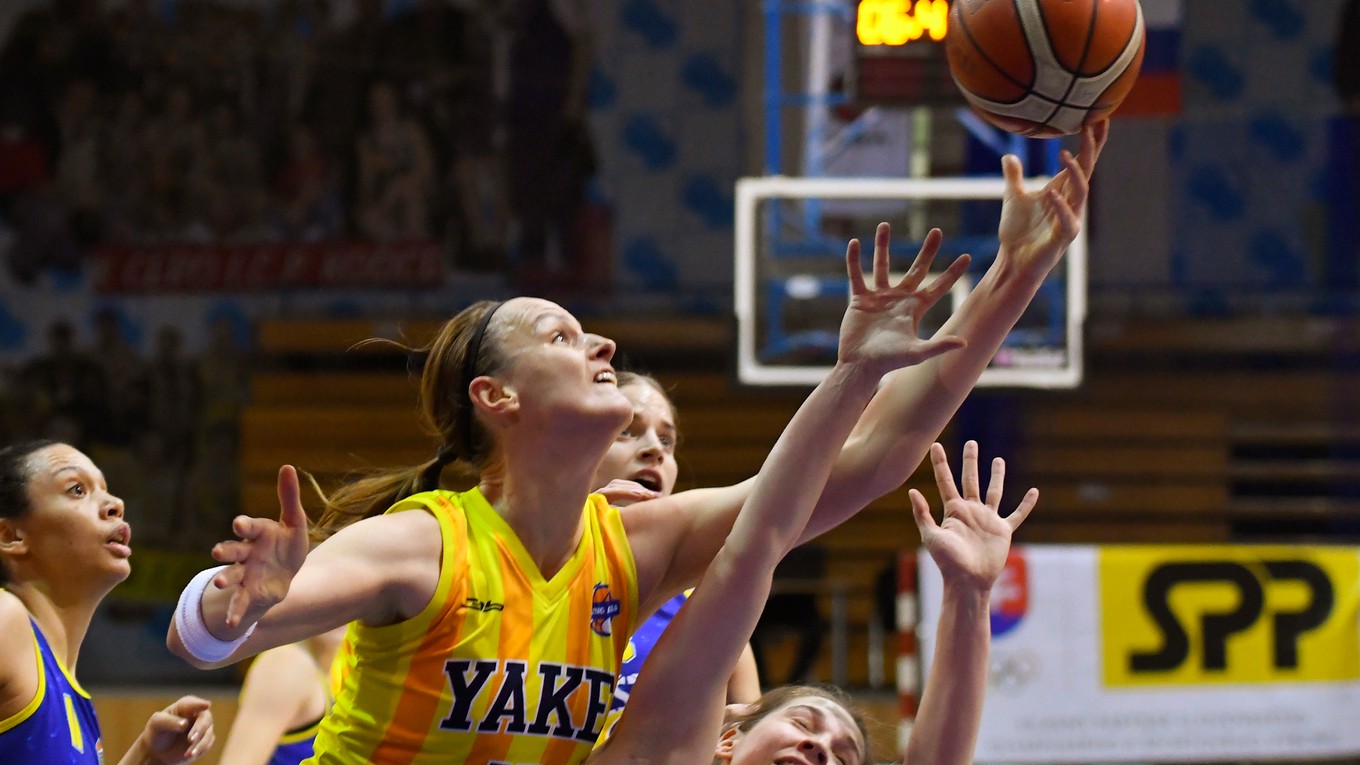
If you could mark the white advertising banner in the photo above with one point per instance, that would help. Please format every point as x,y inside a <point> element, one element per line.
<point>1168,653</point>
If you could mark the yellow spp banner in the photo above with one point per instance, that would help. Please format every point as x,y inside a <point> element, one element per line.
<point>1197,615</point>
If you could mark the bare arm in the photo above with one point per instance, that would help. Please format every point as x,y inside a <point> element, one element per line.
<point>675,710</point>
<point>276,693</point>
<point>743,687</point>
<point>914,404</point>
<point>378,571</point>
<point>19,670</point>
<point>970,547</point>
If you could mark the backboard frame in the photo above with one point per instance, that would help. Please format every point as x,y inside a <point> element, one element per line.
<point>751,191</point>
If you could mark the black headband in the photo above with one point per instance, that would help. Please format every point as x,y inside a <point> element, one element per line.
<point>470,366</point>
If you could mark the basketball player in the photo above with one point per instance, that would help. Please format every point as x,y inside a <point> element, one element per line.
<point>536,595</point>
<point>675,714</point>
<point>641,465</point>
<point>63,546</point>
<point>286,692</point>
<point>492,622</point>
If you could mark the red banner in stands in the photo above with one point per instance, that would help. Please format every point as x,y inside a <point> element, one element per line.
<point>226,268</point>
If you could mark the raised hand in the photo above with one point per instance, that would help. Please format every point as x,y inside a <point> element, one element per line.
<point>266,558</point>
<point>1037,226</point>
<point>881,323</point>
<point>177,734</point>
<point>971,544</point>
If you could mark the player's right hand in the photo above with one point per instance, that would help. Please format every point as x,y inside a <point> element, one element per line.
<point>267,556</point>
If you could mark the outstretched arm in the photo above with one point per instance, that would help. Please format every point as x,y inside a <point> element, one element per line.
<point>378,571</point>
<point>970,547</point>
<point>675,710</point>
<point>914,405</point>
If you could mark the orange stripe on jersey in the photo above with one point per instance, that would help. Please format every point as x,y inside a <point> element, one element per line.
<point>503,664</point>
<point>423,688</point>
<point>514,644</point>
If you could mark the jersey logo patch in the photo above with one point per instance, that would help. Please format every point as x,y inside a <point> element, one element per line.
<point>603,608</point>
<point>481,605</point>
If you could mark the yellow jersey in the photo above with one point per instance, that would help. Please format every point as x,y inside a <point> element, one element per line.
<point>502,666</point>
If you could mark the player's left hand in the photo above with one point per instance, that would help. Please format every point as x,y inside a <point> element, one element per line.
<point>881,323</point>
<point>1037,226</point>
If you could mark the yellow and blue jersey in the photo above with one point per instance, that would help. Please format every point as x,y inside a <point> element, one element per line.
<point>502,665</point>
<point>639,647</point>
<point>59,726</point>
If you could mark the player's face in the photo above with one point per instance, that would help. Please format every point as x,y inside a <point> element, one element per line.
<point>644,451</point>
<point>560,375</point>
<point>809,730</point>
<point>74,525</point>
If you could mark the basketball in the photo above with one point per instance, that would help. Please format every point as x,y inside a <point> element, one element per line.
<point>1044,68</point>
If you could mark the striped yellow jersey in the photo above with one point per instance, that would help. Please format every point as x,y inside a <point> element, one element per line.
<point>502,666</point>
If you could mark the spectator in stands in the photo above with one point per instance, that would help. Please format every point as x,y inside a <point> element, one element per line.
<point>124,374</point>
<point>64,388</point>
<point>63,546</point>
<point>349,58</point>
<point>124,158</point>
<point>396,171</point>
<point>23,161</point>
<point>174,398</point>
<point>307,199</point>
<point>78,183</point>
<point>175,150</point>
<point>549,148</point>
<point>676,712</point>
<point>476,181</point>
<point>229,181</point>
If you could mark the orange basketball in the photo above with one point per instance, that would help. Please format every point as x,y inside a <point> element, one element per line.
<point>1044,68</point>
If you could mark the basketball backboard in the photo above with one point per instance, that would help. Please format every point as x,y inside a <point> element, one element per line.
<point>791,287</point>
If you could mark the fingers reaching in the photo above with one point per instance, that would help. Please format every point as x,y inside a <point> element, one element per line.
<point>921,265</point>
<point>996,482</point>
<point>1022,511</point>
<point>972,488</point>
<point>291,513</point>
<point>944,477</point>
<point>881,237</point>
<point>920,510</point>
<point>853,268</point>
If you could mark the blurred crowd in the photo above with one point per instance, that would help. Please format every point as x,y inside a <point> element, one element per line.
<point>205,121</point>
<point>163,425</point>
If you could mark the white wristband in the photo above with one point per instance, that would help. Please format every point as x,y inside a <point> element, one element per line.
<point>193,631</point>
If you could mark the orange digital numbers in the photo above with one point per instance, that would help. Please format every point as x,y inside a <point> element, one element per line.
<point>899,22</point>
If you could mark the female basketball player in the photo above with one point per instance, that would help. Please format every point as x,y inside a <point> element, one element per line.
<point>675,713</point>
<point>63,547</point>
<point>286,692</point>
<point>492,623</point>
<point>641,465</point>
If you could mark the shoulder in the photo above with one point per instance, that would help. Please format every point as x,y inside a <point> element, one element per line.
<point>16,641</point>
<point>14,627</point>
<point>284,667</point>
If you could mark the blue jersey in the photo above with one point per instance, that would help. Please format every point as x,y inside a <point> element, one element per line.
<point>58,727</point>
<point>639,646</point>
<point>296,745</point>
